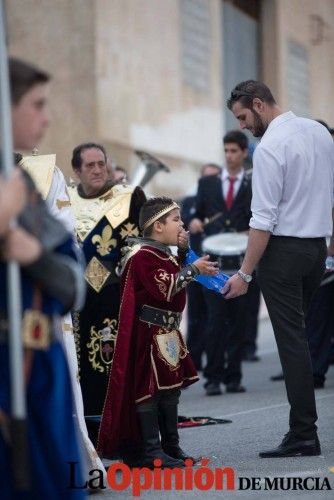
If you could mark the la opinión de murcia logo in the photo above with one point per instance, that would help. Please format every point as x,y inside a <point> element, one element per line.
<point>121,477</point>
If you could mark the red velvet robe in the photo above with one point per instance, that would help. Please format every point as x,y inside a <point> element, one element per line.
<point>141,365</point>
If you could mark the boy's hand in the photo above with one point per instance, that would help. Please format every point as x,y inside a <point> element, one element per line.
<point>206,267</point>
<point>21,247</point>
<point>13,197</point>
<point>183,240</point>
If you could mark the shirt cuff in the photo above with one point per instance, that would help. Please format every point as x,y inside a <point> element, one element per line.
<point>261,224</point>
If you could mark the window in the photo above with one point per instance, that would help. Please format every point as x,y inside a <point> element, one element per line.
<point>195,42</point>
<point>298,79</point>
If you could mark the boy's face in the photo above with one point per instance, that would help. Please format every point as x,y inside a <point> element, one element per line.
<point>234,155</point>
<point>30,118</point>
<point>170,229</point>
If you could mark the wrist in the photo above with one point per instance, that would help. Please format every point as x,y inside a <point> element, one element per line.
<point>246,277</point>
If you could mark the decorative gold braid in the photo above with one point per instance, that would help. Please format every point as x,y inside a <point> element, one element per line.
<point>76,334</point>
<point>169,257</point>
<point>159,214</point>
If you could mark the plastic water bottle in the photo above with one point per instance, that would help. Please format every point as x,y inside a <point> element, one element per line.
<point>330,263</point>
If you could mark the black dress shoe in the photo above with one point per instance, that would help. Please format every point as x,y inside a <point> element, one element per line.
<point>319,384</point>
<point>291,446</point>
<point>213,389</point>
<point>277,378</point>
<point>235,387</point>
<point>251,357</point>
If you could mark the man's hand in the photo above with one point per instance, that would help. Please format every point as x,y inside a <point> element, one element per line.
<point>206,267</point>
<point>21,247</point>
<point>235,287</point>
<point>183,240</point>
<point>196,226</point>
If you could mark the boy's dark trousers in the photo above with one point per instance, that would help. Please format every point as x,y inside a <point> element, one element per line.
<point>159,413</point>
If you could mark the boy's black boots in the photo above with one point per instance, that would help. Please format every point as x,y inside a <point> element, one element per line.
<point>148,421</point>
<point>169,433</point>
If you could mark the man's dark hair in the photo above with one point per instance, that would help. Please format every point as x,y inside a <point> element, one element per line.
<point>23,76</point>
<point>237,137</point>
<point>150,208</point>
<point>76,161</point>
<point>331,131</point>
<point>246,91</point>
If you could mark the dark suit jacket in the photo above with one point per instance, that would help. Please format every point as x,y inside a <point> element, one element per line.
<point>188,210</point>
<point>210,200</point>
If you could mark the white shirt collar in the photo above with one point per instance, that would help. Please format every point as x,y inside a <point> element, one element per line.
<point>283,117</point>
<point>226,175</point>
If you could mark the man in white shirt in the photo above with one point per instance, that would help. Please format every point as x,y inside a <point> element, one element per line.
<point>293,179</point>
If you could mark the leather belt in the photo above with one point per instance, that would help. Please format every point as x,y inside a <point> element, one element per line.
<point>160,317</point>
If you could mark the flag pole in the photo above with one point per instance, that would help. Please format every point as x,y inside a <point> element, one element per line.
<point>18,432</point>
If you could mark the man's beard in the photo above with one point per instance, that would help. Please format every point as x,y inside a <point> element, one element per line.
<point>259,127</point>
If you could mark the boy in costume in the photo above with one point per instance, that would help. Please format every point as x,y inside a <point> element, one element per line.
<point>151,362</point>
<point>51,284</point>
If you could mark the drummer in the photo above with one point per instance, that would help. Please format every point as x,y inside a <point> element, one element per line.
<point>223,205</point>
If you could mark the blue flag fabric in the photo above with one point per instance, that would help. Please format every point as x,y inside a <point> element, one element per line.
<point>215,283</point>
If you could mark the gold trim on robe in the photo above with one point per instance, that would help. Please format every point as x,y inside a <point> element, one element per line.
<point>41,169</point>
<point>114,205</point>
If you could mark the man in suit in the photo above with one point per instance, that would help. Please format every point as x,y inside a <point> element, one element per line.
<point>230,195</point>
<point>196,308</point>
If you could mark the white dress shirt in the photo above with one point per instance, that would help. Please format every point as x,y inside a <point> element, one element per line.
<point>293,179</point>
<point>226,183</point>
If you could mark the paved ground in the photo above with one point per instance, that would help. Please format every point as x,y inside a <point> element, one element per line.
<point>260,419</point>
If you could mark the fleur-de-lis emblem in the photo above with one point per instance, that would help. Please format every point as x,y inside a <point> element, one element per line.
<point>104,243</point>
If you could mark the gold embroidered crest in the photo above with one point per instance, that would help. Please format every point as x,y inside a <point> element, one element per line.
<point>102,345</point>
<point>129,230</point>
<point>96,274</point>
<point>104,243</point>
<point>170,349</point>
<point>160,278</point>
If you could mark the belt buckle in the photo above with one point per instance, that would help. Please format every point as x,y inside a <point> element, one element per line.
<point>170,320</point>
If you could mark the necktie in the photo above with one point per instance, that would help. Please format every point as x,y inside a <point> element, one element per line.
<point>229,196</point>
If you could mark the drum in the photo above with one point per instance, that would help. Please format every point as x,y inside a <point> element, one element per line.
<point>228,249</point>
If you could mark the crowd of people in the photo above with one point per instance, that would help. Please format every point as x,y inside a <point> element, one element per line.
<point>102,292</point>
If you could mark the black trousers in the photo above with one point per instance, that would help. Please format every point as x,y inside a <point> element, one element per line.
<point>252,313</point>
<point>225,335</point>
<point>289,273</point>
<point>196,322</point>
<point>319,330</point>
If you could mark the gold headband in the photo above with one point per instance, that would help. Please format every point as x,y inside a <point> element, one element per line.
<point>157,216</point>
